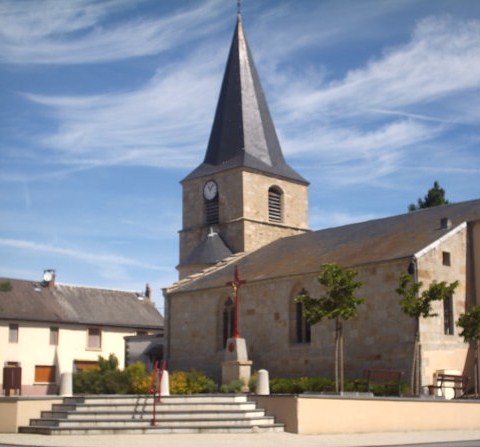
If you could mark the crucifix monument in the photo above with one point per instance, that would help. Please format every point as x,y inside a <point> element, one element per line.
<point>236,365</point>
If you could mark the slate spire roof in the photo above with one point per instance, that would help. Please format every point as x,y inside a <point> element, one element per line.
<point>243,134</point>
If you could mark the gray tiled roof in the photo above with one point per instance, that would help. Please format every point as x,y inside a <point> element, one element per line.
<point>31,301</point>
<point>211,250</point>
<point>243,134</point>
<point>377,240</point>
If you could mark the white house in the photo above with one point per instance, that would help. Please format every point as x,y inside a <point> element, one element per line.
<point>48,329</point>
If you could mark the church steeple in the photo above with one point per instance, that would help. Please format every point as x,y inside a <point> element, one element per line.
<point>244,190</point>
<point>243,134</point>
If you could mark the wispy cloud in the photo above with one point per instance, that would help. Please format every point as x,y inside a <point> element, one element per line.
<point>367,121</point>
<point>99,259</point>
<point>33,32</point>
<point>425,70</point>
<point>159,124</point>
<point>381,114</point>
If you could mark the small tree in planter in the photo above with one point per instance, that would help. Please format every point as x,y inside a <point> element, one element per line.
<point>339,303</point>
<point>419,305</point>
<point>470,324</point>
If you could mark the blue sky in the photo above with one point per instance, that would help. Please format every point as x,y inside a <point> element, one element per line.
<point>107,105</point>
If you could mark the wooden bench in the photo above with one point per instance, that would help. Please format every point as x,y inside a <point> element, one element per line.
<point>457,382</point>
<point>390,378</point>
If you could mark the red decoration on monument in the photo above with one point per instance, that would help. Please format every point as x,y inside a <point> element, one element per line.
<point>235,285</point>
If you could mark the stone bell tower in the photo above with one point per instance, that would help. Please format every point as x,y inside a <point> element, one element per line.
<point>244,195</point>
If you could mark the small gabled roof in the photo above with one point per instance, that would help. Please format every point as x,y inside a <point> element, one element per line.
<point>36,302</point>
<point>352,245</point>
<point>210,251</point>
<point>243,134</point>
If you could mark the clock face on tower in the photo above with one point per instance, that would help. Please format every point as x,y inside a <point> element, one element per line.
<point>210,190</point>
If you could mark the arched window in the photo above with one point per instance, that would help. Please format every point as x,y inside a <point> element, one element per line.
<point>303,332</point>
<point>228,315</point>
<point>300,331</point>
<point>275,212</point>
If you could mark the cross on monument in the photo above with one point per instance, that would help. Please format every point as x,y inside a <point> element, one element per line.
<point>235,285</point>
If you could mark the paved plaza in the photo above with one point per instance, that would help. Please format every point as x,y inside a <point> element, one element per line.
<point>243,440</point>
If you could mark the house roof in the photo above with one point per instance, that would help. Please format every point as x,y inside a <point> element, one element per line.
<point>351,245</point>
<point>243,133</point>
<point>34,301</point>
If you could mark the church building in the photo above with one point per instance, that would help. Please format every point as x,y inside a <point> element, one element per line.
<point>244,207</point>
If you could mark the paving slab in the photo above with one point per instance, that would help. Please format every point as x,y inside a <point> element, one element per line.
<point>241,440</point>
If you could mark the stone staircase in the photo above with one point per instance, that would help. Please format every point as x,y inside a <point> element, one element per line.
<point>133,414</point>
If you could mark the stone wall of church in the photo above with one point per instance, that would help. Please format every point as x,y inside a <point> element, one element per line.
<point>380,337</point>
<point>243,210</point>
<point>445,261</point>
<point>255,195</point>
<point>194,226</point>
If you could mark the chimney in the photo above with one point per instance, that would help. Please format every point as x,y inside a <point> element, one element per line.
<point>49,278</point>
<point>148,291</point>
<point>445,223</point>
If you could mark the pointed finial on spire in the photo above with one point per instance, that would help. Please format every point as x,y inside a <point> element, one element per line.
<point>239,7</point>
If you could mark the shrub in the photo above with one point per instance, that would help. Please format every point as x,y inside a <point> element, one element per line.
<point>233,387</point>
<point>300,385</point>
<point>191,382</point>
<point>252,383</point>
<point>139,378</point>
<point>322,384</point>
<point>106,378</point>
<point>198,382</point>
<point>390,389</point>
<point>178,382</point>
<point>281,385</point>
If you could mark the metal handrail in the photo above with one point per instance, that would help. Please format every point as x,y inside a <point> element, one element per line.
<point>155,387</point>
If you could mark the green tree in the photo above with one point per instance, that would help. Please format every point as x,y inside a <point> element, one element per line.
<point>434,197</point>
<point>338,303</point>
<point>470,324</point>
<point>419,305</point>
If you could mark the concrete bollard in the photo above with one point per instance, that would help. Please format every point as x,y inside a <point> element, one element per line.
<point>66,384</point>
<point>165,384</point>
<point>263,384</point>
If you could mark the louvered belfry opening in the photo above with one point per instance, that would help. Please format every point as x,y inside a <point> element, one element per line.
<point>275,204</point>
<point>212,211</point>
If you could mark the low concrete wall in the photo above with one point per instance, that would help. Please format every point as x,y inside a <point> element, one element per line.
<point>17,411</point>
<point>312,414</point>
<point>328,415</point>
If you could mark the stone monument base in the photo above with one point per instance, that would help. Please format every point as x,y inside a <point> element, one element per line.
<point>236,365</point>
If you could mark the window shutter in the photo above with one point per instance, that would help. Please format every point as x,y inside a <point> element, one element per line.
<point>274,205</point>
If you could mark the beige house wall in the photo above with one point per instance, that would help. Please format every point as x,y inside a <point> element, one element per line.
<point>34,349</point>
